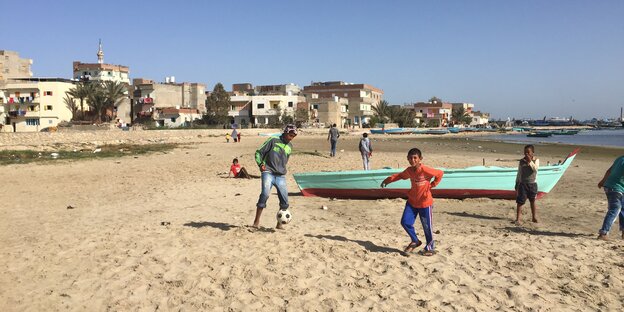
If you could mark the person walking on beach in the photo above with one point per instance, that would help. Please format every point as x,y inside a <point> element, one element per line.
<point>419,199</point>
<point>235,135</point>
<point>526,187</point>
<point>613,184</point>
<point>366,150</point>
<point>272,158</point>
<point>332,137</point>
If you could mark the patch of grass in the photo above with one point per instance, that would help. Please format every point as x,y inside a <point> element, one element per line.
<point>106,151</point>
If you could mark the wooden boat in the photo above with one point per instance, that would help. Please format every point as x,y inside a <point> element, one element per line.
<point>539,134</point>
<point>437,131</point>
<point>471,182</point>
<point>391,131</point>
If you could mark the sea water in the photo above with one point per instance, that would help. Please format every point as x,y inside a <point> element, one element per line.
<point>612,138</point>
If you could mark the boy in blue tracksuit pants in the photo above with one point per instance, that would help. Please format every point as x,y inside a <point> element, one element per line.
<point>272,158</point>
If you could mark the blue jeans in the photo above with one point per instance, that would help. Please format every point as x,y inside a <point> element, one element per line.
<point>615,203</point>
<point>268,181</point>
<point>407,222</point>
<point>332,152</point>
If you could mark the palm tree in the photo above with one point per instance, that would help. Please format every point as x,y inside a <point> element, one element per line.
<point>69,102</point>
<point>460,116</point>
<point>382,111</point>
<point>97,101</point>
<point>114,91</point>
<point>82,91</point>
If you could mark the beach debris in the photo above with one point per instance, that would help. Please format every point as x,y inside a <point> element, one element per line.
<point>70,207</point>
<point>165,223</point>
<point>54,155</point>
<point>208,155</point>
<point>237,194</point>
<point>97,150</point>
<point>324,207</point>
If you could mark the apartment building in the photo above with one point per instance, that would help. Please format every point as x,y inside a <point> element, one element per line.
<point>362,98</point>
<point>33,104</point>
<point>435,112</point>
<point>265,104</point>
<point>13,66</point>
<point>100,71</point>
<point>149,95</point>
<point>240,109</point>
<point>329,111</point>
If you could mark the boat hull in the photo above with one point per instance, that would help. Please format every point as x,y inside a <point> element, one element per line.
<point>472,182</point>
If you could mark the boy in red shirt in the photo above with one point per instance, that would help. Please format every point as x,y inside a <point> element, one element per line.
<point>419,199</point>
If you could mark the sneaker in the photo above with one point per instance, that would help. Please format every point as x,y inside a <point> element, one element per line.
<point>603,237</point>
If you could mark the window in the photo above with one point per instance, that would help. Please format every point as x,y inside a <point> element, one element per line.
<point>314,106</point>
<point>173,119</point>
<point>232,107</point>
<point>290,104</point>
<point>47,93</point>
<point>260,105</point>
<point>32,122</point>
<point>31,108</point>
<point>48,107</point>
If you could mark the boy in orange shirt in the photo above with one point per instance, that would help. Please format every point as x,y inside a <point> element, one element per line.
<point>419,199</point>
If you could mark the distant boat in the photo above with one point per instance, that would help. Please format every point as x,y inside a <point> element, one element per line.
<point>391,131</point>
<point>565,132</point>
<point>539,134</point>
<point>471,182</point>
<point>453,130</point>
<point>437,131</point>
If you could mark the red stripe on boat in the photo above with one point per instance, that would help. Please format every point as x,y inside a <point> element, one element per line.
<point>402,193</point>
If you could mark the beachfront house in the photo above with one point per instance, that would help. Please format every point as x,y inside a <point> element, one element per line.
<point>33,104</point>
<point>361,97</point>
<point>174,117</point>
<point>435,113</point>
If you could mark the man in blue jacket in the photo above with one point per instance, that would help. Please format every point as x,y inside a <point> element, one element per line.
<point>272,158</point>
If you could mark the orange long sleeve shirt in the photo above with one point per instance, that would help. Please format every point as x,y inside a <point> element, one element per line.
<point>419,195</point>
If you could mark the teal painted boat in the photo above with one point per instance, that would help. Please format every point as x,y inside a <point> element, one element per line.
<point>471,182</point>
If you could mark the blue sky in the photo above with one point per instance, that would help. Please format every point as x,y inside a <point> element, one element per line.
<point>523,59</point>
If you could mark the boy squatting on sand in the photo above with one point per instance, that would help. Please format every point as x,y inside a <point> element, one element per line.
<point>526,187</point>
<point>419,199</point>
<point>613,184</point>
<point>272,158</point>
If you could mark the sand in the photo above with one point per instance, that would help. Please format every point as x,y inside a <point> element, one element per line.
<point>169,231</point>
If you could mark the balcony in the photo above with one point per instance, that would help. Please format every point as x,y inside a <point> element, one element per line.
<point>23,100</point>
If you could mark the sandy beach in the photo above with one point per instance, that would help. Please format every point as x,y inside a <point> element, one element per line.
<point>169,231</point>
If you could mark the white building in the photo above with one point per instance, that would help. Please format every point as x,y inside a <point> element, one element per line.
<point>33,104</point>
<point>268,107</point>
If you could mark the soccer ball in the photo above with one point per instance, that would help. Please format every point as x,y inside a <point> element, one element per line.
<point>284,216</point>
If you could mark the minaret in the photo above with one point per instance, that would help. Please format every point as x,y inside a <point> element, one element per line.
<point>100,54</point>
